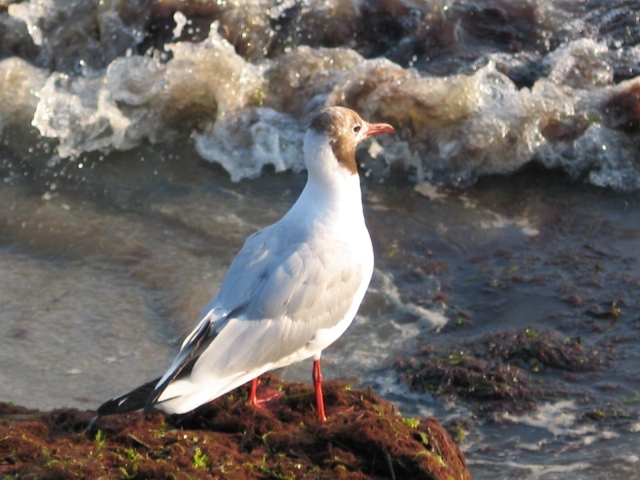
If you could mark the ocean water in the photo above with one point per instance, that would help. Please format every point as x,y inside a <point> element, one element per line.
<point>142,142</point>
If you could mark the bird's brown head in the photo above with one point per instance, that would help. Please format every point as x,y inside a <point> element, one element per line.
<point>346,129</point>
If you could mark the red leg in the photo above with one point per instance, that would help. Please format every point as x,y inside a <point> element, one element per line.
<point>317,385</point>
<point>267,394</point>
<point>253,392</point>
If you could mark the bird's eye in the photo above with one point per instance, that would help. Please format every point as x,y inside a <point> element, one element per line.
<point>356,128</point>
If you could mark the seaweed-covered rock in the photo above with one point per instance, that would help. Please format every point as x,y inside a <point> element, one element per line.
<point>498,371</point>
<point>547,349</point>
<point>364,438</point>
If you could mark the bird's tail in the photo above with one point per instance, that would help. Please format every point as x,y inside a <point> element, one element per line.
<point>129,402</point>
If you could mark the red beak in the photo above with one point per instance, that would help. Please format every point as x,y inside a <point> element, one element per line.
<point>379,128</point>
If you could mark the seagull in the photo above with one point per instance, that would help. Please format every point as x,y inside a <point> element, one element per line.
<point>291,291</point>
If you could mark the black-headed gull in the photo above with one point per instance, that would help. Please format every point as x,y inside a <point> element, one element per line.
<point>291,291</point>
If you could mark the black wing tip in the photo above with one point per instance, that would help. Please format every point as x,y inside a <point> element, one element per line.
<point>110,407</point>
<point>146,396</point>
<point>137,399</point>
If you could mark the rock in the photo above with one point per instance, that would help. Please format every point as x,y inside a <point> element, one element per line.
<point>364,438</point>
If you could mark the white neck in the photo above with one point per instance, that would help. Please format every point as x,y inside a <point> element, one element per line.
<point>332,192</point>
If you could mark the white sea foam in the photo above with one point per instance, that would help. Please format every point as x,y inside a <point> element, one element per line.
<point>383,284</point>
<point>531,471</point>
<point>559,418</point>
<point>245,141</point>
